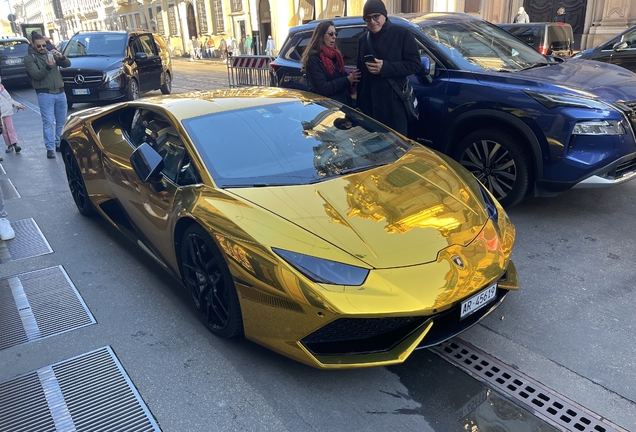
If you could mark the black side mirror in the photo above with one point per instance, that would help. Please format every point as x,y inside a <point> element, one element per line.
<point>621,46</point>
<point>147,163</point>
<point>141,56</point>
<point>427,72</point>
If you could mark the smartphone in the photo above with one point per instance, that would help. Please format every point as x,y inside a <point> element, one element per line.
<point>369,58</point>
<point>50,46</point>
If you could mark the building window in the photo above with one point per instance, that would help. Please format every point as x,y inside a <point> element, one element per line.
<point>160,28</point>
<point>217,8</point>
<point>237,5</point>
<point>172,20</point>
<point>203,18</point>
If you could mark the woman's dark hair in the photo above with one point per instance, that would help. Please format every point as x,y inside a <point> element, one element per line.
<point>315,43</point>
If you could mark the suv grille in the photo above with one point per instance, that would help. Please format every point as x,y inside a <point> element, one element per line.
<point>631,113</point>
<point>87,77</point>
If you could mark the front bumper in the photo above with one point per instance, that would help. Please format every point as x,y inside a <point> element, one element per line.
<point>616,173</point>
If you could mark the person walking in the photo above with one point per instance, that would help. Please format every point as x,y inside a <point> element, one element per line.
<point>223,49</point>
<point>324,65</point>
<point>210,47</point>
<point>6,231</point>
<point>522,16</point>
<point>43,69</point>
<point>270,47</point>
<point>388,52</point>
<point>6,112</point>
<point>248,45</point>
<point>560,16</point>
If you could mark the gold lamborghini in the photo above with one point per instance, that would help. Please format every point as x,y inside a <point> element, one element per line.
<point>296,221</point>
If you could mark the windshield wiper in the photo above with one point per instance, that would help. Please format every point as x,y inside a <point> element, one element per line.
<point>535,65</point>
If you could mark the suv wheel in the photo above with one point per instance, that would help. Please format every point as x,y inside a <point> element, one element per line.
<point>498,161</point>
<point>132,92</point>
<point>166,87</point>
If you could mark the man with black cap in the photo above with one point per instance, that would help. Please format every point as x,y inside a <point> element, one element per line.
<point>392,54</point>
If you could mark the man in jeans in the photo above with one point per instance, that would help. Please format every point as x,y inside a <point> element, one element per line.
<point>42,67</point>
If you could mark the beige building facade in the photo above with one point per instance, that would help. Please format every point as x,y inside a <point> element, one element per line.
<point>594,21</point>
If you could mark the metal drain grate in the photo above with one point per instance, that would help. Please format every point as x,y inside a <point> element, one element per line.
<point>87,393</point>
<point>8,190</point>
<point>555,409</point>
<point>39,304</point>
<point>28,242</point>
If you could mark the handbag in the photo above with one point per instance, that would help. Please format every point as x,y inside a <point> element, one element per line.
<point>406,93</point>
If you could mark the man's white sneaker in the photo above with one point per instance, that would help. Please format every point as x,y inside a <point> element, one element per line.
<point>6,232</point>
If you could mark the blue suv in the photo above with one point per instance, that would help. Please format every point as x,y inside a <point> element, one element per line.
<point>520,121</point>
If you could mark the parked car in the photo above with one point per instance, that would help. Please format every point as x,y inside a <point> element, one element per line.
<point>303,224</point>
<point>520,121</point>
<point>12,52</point>
<point>549,38</point>
<point>620,50</point>
<point>61,45</point>
<point>112,65</point>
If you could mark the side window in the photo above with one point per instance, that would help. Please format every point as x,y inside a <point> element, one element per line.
<point>299,49</point>
<point>160,44</point>
<point>147,44</point>
<point>347,43</point>
<point>630,38</point>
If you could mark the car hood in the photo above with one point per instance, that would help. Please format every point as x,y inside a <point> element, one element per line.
<point>586,78</point>
<point>93,63</point>
<point>397,215</point>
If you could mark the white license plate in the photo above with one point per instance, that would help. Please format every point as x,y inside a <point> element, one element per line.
<point>80,91</point>
<point>478,301</point>
<point>13,61</point>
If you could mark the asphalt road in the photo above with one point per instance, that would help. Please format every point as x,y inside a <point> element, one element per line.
<point>571,326</point>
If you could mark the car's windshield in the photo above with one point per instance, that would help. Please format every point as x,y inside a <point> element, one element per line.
<point>480,46</point>
<point>98,44</point>
<point>291,143</point>
<point>13,48</point>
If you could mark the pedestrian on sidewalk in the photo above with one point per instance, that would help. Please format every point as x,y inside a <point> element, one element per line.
<point>43,66</point>
<point>270,47</point>
<point>223,49</point>
<point>248,45</point>
<point>6,232</point>
<point>6,111</point>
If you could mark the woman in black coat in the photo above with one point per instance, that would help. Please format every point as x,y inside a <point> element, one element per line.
<point>395,55</point>
<point>324,66</point>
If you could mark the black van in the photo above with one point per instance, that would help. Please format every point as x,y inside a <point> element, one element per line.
<point>549,38</point>
<point>115,65</point>
<point>12,52</point>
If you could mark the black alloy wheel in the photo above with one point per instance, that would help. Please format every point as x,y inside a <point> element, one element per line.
<point>76,183</point>
<point>210,283</point>
<point>499,161</point>
<point>132,91</point>
<point>166,87</point>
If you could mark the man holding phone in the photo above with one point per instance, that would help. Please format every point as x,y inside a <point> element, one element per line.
<point>388,52</point>
<point>41,63</point>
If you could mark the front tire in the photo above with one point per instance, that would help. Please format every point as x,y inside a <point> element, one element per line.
<point>499,160</point>
<point>207,277</point>
<point>132,91</point>
<point>166,87</point>
<point>76,183</point>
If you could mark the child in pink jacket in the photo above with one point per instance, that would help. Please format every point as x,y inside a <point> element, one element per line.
<point>6,112</point>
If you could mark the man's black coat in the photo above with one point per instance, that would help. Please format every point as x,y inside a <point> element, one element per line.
<point>396,47</point>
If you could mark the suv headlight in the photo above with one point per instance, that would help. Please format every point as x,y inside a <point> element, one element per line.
<point>550,101</point>
<point>112,78</point>
<point>324,271</point>
<point>599,127</point>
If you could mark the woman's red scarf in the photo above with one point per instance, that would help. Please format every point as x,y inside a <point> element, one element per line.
<point>327,55</point>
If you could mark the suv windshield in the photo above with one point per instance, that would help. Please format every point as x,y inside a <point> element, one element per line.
<point>15,48</point>
<point>98,44</point>
<point>479,46</point>
<point>291,143</point>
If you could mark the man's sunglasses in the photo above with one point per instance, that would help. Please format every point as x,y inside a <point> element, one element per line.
<point>374,17</point>
<point>332,34</point>
<point>41,46</point>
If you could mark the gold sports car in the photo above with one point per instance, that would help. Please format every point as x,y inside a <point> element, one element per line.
<point>296,221</point>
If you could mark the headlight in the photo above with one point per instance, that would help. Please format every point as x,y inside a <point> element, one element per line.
<point>113,78</point>
<point>553,101</point>
<point>324,271</point>
<point>491,207</point>
<point>599,127</point>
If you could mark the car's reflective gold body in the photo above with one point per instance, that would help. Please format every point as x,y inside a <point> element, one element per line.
<point>419,225</point>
